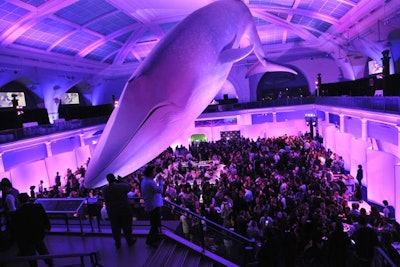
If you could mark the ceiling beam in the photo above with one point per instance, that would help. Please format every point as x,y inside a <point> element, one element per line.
<point>278,21</point>
<point>123,53</point>
<point>107,38</point>
<point>295,11</point>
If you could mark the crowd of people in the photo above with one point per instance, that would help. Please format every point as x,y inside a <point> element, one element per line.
<point>283,192</point>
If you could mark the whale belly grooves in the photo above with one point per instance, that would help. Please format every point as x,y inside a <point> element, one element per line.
<point>149,116</point>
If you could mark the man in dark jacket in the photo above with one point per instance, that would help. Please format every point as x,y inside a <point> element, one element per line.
<point>118,209</point>
<point>30,223</point>
<point>365,239</point>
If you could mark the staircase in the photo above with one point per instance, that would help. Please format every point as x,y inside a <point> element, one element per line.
<point>172,254</point>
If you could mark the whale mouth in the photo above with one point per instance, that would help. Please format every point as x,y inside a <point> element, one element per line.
<point>146,119</point>
<point>149,115</point>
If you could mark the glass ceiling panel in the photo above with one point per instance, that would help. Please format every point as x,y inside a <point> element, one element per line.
<point>148,36</point>
<point>260,22</point>
<point>104,50</point>
<point>65,51</point>
<point>272,35</point>
<point>130,58</point>
<point>279,15</point>
<point>340,11</point>
<point>111,23</point>
<point>316,34</point>
<point>44,34</point>
<point>317,24</point>
<point>24,41</point>
<point>9,14</point>
<point>332,8</point>
<point>286,3</point>
<point>85,11</point>
<point>142,49</point>
<point>123,38</point>
<point>35,3</point>
<point>111,59</point>
<point>76,41</point>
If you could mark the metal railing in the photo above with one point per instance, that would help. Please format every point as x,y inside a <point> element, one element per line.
<point>12,135</point>
<point>92,258</point>
<point>390,105</point>
<point>381,259</point>
<point>208,235</point>
<point>211,236</point>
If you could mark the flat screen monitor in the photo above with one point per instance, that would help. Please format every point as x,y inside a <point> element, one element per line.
<point>374,67</point>
<point>70,99</point>
<point>7,97</point>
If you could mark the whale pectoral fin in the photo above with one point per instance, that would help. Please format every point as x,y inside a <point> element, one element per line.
<point>268,67</point>
<point>232,55</point>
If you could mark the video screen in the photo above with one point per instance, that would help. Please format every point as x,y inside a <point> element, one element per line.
<point>7,97</point>
<point>70,99</point>
<point>374,67</point>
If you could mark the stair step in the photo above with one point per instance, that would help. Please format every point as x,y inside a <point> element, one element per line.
<point>193,259</point>
<point>177,257</point>
<point>161,254</point>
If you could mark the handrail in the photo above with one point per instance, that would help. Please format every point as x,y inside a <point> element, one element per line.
<point>249,245</point>
<point>379,252</point>
<point>389,105</point>
<point>208,222</point>
<point>92,255</point>
<point>211,235</point>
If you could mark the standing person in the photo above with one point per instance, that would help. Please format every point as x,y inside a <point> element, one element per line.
<point>118,209</point>
<point>30,224</point>
<point>388,211</point>
<point>40,187</point>
<point>360,175</point>
<point>365,239</point>
<point>9,195</point>
<point>341,164</point>
<point>338,246</point>
<point>57,180</point>
<point>9,201</point>
<point>152,195</point>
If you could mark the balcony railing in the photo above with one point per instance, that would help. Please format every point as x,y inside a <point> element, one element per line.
<point>203,233</point>
<point>378,104</point>
<point>210,236</point>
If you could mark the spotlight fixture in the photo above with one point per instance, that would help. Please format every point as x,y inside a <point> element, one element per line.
<point>312,121</point>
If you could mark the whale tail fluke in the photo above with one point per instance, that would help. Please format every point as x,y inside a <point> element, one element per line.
<point>268,66</point>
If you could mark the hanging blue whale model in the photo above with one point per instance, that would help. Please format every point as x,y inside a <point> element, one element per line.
<point>173,86</point>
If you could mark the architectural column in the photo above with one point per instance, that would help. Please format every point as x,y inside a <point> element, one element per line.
<point>326,116</point>
<point>81,140</point>
<point>48,149</point>
<point>364,129</point>
<point>341,123</point>
<point>398,141</point>
<point>1,163</point>
<point>274,117</point>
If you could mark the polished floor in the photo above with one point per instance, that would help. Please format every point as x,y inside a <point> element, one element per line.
<point>103,245</point>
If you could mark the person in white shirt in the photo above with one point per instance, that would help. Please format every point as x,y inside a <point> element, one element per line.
<point>152,195</point>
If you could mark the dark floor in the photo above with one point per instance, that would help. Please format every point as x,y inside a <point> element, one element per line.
<point>61,241</point>
<point>108,255</point>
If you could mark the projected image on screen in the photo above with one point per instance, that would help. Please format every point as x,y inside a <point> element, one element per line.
<point>6,99</point>
<point>374,67</point>
<point>70,99</point>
